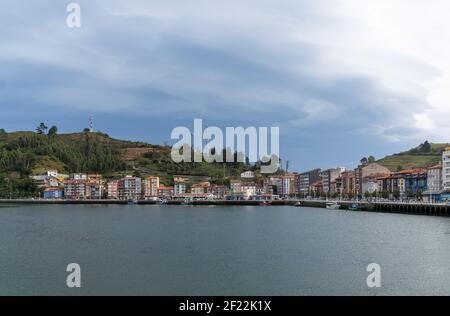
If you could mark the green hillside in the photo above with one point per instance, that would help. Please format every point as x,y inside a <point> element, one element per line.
<point>29,153</point>
<point>424,155</point>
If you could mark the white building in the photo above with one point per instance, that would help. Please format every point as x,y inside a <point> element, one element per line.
<point>434,179</point>
<point>130,188</point>
<point>446,169</point>
<point>249,190</point>
<point>78,176</point>
<point>248,175</point>
<point>179,185</point>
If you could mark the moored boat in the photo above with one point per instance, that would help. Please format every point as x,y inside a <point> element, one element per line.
<point>132,202</point>
<point>333,206</point>
<point>354,207</point>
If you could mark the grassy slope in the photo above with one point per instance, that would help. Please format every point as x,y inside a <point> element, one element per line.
<point>412,158</point>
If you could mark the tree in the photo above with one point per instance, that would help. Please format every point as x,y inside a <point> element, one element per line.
<point>53,131</point>
<point>371,159</point>
<point>3,134</point>
<point>425,147</point>
<point>396,194</point>
<point>364,161</point>
<point>41,129</point>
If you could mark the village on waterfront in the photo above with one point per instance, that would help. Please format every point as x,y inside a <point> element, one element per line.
<point>370,181</point>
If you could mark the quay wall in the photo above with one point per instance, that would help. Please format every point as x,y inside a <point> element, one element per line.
<point>381,207</point>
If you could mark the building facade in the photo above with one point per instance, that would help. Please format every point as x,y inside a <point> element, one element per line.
<point>53,193</point>
<point>75,189</point>
<point>130,188</point>
<point>365,172</point>
<point>435,180</point>
<point>180,185</point>
<point>165,192</point>
<point>348,183</point>
<point>113,190</point>
<point>446,170</point>
<point>305,180</point>
<point>235,186</point>
<point>329,177</point>
<point>150,187</point>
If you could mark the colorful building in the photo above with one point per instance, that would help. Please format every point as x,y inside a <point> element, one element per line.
<point>150,187</point>
<point>53,193</point>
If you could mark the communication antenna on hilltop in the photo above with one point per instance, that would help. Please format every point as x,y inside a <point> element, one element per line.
<point>91,123</point>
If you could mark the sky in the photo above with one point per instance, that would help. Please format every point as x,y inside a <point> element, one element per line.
<point>342,79</point>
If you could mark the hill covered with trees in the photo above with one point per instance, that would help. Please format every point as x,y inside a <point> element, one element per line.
<point>23,154</point>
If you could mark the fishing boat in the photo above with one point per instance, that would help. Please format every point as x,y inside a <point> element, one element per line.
<point>333,206</point>
<point>354,207</point>
<point>163,202</point>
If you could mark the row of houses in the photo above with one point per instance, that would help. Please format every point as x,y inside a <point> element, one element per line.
<point>370,178</point>
<point>431,184</point>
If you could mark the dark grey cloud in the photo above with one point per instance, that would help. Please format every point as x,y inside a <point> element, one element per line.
<point>234,63</point>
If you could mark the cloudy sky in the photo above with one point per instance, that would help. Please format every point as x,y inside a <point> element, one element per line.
<point>341,78</point>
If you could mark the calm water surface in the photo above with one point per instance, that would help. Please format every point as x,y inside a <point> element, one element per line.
<point>153,250</point>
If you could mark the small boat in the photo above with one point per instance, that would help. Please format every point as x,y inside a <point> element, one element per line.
<point>354,207</point>
<point>188,201</point>
<point>265,203</point>
<point>132,202</point>
<point>163,202</point>
<point>298,204</point>
<point>333,206</point>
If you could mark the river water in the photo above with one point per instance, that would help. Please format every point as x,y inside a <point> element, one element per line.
<point>175,250</point>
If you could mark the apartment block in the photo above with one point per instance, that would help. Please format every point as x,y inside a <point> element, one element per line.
<point>94,190</point>
<point>130,188</point>
<point>435,180</point>
<point>113,190</point>
<point>180,185</point>
<point>348,182</point>
<point>329,176</point>
<point>305,180</point>
<point>446,170</point>
<point>150,187</point>
<point>75,189</point>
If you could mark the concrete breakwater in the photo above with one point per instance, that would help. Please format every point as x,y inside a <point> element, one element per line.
<point>382,207</point>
